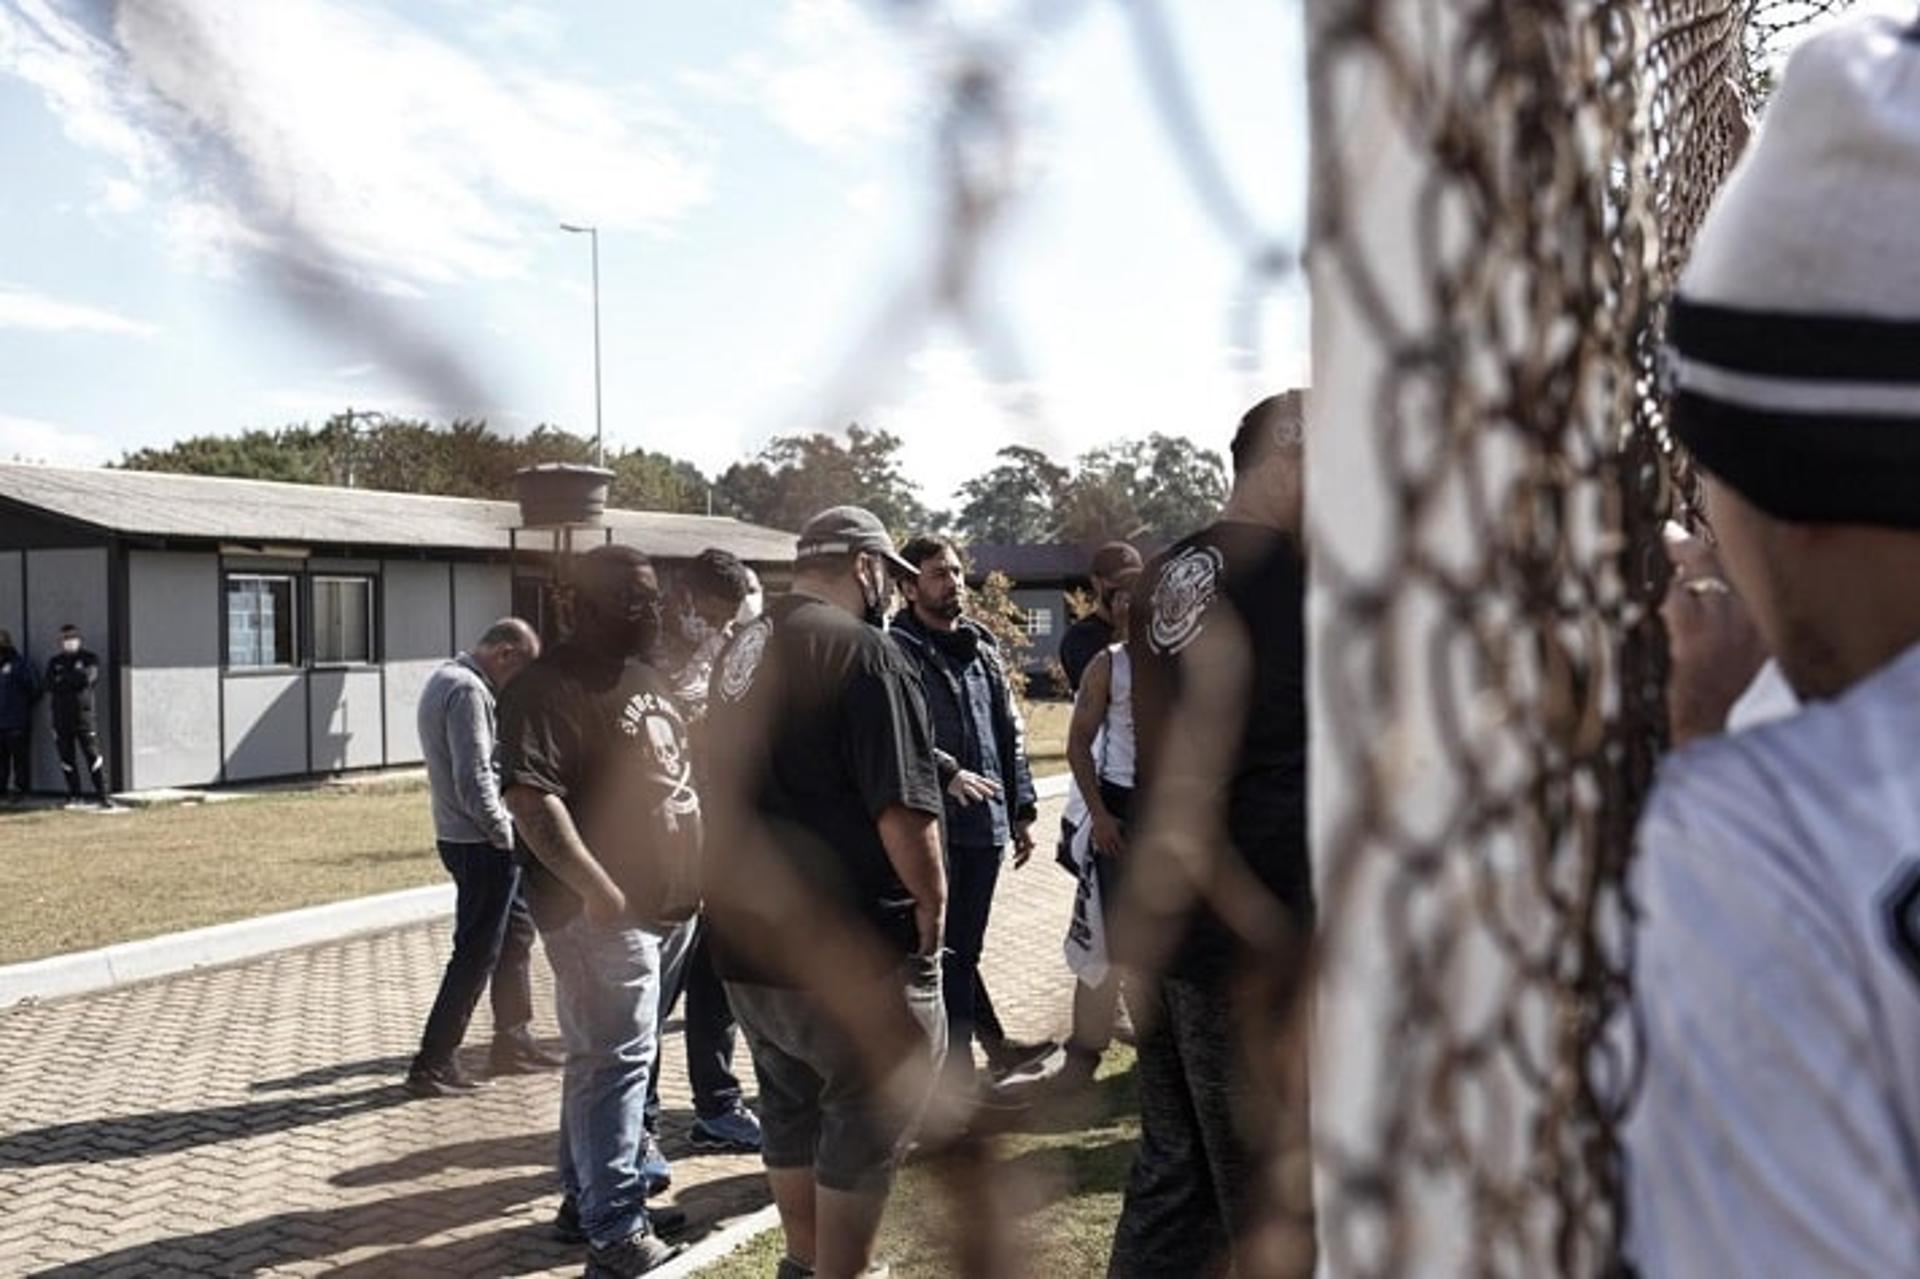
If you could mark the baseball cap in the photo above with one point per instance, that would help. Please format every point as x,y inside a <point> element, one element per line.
<point>1115,560</point>
<point>846,530</point>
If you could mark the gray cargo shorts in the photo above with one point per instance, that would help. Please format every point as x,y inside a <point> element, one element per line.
<point>819,1107</point>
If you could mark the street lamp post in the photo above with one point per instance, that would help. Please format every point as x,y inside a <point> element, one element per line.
<point>599,436</point>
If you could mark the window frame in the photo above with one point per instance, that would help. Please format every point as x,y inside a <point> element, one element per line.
<point>1038,613</point>
<point>312,631</point>
<point>227,663</point>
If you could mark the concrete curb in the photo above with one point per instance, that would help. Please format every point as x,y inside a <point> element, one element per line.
<point>92,971</point>
<point>723,1242</point>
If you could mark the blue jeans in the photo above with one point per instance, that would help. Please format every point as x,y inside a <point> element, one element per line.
<point>492,947</point>
<point>607,992</point>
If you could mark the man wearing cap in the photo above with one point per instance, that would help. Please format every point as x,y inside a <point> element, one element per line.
<point>827,887</point>
<point>1114,565</point>
<point>599,781</point>
<point>1777,974</point>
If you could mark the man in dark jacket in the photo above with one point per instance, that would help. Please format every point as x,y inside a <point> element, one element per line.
<point>71,675</point>
<point>990,802</point>
<point>19,687</point>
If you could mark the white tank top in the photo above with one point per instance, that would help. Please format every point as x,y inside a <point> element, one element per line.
<point>1115,755</point>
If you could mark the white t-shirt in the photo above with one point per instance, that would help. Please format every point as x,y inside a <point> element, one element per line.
<point>1777,1131</point>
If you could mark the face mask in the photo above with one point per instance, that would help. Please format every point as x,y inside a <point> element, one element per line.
<point>70,645</point>
<point>874,598</point>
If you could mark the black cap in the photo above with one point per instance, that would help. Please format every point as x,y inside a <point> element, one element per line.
<point>846,530</point>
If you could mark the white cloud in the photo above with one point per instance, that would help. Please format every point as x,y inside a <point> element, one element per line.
<point>315,128</point>
<point>26,439</point>
<point>22,308</point>
<point>836,78</point>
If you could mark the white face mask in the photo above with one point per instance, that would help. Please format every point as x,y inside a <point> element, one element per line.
<point>71,645</point>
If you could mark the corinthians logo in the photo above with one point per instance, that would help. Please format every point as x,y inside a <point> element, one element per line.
<point>743,659</point>
<point>1188,582</point>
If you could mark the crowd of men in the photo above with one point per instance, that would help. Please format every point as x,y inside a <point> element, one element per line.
<point>796,814</point>
<point>810,806</point>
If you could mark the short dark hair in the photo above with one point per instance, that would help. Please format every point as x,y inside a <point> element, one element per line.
<point>1279,421</point>
<point>718,573</point>
<point>1113,559</point>
<point>68,628</point>
<point>921,549</point>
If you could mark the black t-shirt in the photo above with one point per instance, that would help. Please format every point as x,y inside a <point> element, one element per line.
<point>1259,575</point>
<point>826,717</point>
<point>607,737</point>
<point>1085,640</point>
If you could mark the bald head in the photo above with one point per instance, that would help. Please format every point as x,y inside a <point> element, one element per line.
<point>505,649</point>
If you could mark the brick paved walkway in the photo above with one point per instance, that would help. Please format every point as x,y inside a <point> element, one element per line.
<point>250,1120</point>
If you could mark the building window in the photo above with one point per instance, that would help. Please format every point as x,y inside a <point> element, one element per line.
<point>1039,621</point>
<point>342,620</point>
<point>260,621</point>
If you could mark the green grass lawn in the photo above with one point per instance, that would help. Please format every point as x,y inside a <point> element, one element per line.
<point>72,881</point>
<point>1069,1180</point>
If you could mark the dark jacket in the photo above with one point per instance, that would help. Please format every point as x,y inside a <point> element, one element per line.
<point>19,688</point>
<point>70,678</point>
<point>943,689</point>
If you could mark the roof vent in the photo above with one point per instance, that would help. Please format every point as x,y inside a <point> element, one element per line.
<point>557,494</point>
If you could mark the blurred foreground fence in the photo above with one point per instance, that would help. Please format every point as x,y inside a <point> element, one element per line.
<point>1502,196</point>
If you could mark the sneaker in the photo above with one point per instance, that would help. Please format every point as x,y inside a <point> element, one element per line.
<point>655,1168</point>
<point>566,1222</point>
<point>1010,1058</point>
<point>444,1081</point>
<point>514,1057</point>
<point>735,1132</point>
<point>634,1255</point>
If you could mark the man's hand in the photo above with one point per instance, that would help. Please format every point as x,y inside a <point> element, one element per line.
<point>1107,838</point>
<point>1714,647</point>
<point>1022,844</point>
<point>972,788</point>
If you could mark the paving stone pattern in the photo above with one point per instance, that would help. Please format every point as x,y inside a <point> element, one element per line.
<point>249,1120</point>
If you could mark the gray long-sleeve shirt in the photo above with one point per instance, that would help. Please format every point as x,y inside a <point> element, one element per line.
<point>456,721</point>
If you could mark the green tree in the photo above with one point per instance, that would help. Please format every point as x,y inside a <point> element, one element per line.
<point>1016,502</point>
<point>796,476</point>
<point>462,459</point>
<point>1160,488</point>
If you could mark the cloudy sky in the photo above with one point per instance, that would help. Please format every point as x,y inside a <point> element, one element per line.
<point>223,214</point>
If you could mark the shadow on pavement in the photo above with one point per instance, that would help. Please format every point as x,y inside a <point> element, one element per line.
<point>163,1132</point>
<point>288,1237</point>
<point>324,1075</point>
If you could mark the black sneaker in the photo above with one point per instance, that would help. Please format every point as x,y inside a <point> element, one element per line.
<point>511,1058</point>
<point>566,1222</point>
<point>634,1255</point>
<point>444,1081</point>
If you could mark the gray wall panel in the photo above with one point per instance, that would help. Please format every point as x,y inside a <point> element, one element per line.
<point>482,595</point>
<point>173,688</point>
<point>416,614</point>
<point>266,722</point>
<point>346,720</point>
<point>69,586</point>
<point>13,602</point>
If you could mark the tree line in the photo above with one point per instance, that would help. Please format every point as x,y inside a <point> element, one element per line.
<point>1151,489</point>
